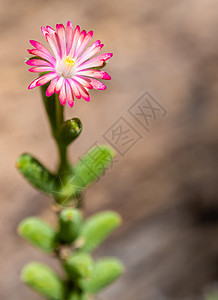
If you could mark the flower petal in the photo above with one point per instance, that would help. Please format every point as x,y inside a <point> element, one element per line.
<point>40,47</point>
<point>48,30</point>
<point>53,46</point>
<point>42,69</point>
<point>62,38</point>
<point>75,40</point>
<point>95,73</point>
<point>84,81</point>
<point>59,84</point>
<point>33,84</point>
<point>44,31</point>
<point>96,84</point>
<point>51,88</point>
<point>104,56</point>
<point>85,42</point>
<point>90,51</point>
<point>62,95</point>
<point>69,31</point>
<point>41,54</point>
<point>46,78</point>
<point>83,91</point>
<point>52,33</point>
<point>79,43</point>
<point>38,62</point>
<point>69,94</point>
<point>74,88</point>
<point>92,63</point>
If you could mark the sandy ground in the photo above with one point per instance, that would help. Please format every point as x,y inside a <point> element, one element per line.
<point>164,185</point>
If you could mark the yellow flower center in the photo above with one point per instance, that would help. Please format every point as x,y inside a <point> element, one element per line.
<point>69,62</point>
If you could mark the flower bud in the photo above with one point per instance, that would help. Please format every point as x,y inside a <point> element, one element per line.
<point>69,131</point>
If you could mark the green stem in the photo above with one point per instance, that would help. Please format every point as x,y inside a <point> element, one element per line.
<point>55,112</point>
<point>50,107</point>
<point>59,112</point>
<point>64,165</point>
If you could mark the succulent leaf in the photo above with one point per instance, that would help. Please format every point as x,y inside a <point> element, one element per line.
<point>70,223</point>
<point>44,281</point>
<point>97,228</point>
<point>79,265</point>
<point>38,233</point>
<point>35,173</point>
<point>105,272</point>
<point>92,165</point>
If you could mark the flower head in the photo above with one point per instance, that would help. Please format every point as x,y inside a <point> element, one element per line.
<point>73,68</point>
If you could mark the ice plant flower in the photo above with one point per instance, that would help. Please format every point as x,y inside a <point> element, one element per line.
<point>73,68</point>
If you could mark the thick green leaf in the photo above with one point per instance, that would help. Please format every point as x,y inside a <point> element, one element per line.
<point>105,272</point>
<point>70,223</point>
<point>44,281</point>
<point>85,172</point>
<point>79,265</point>
<point>69,131</point>
<point>97,228</point>
<point>39,233</point>
<point>35,173</point>
<point>92,165</point>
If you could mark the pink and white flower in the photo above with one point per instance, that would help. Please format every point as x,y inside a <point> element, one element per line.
<point>71,69</point>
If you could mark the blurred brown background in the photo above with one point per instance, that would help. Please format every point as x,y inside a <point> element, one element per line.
<point>165,186</point>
